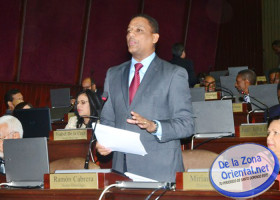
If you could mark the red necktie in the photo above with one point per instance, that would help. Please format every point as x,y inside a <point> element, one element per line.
<point>135,82</point>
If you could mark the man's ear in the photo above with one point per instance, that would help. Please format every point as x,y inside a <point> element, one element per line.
<point>16,135</point>
<point>155,37</point>
<point>11,106</point>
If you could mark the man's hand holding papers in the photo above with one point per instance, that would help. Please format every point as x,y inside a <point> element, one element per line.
<point>114,139</point>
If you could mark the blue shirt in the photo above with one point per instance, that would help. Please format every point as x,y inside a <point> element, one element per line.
<point>146,63</point>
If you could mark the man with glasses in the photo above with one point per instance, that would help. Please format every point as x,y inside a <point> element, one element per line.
<point>10,128</point>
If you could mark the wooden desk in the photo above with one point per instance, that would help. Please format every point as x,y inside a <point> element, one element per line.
<point>74,148</point>
<point>118,194</point>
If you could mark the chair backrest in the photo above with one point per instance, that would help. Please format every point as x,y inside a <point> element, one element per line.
<point>70,163</point>
<point>198,159</point>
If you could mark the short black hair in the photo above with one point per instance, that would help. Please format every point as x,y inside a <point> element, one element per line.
<point>272,119</point>
<point>22,104</point>
<point>95,108</point>
<point>152,21</point>
<point>177,49</point>
<point>249,75</point>
<point>9,96</point>
<point>276,43</point>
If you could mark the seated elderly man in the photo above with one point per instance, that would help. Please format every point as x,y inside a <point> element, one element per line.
<point>12,98</point>
<point>209,84</point>
<point>10,128</point>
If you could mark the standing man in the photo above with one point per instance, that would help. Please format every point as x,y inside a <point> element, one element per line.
<point>160,110</point>
<point>179,58</point>
<point>88,83</point>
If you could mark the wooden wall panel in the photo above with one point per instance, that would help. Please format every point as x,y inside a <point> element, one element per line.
<point>36,94</point>
<point>172,17</point>
<point>52,41</point>
<point>106,44</point>
<point>240,35</point>
<point>271,31</point>
<point>9,33</point>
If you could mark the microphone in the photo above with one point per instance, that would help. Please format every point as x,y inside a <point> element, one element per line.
<point>93,137</point>
<point>226,90</point>
<point>2,166</point>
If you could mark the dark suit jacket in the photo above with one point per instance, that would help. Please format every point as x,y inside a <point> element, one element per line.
<point>163,95</point>
<point>188,65</point>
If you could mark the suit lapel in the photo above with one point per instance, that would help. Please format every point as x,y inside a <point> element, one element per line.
<point>124,83</point>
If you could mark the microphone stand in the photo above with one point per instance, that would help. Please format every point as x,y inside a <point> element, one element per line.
<point>92,139</point>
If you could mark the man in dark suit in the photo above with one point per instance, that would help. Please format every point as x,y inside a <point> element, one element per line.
<point>161,110</point>
<point>179,58</point>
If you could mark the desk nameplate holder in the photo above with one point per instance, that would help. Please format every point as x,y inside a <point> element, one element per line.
<point>253,130</point>
<point>194,180</point>
<point>70,134</point>
<point>212,96</point>
<point>82,180</point>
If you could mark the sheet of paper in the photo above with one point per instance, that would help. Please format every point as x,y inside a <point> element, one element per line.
<point>138,178</point>
<point>119,139</point>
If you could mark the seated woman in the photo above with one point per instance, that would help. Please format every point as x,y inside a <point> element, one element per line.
<point>87,109</point>
<point>273,138</point>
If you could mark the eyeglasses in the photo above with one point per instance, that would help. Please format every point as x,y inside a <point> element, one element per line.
<point>3,138</point>
<point>81,102</point>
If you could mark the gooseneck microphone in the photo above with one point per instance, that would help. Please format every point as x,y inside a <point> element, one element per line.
<point>226,90</point>
<point>93,137</point>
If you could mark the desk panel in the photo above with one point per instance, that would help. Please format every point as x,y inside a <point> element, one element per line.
<point>118,194</point>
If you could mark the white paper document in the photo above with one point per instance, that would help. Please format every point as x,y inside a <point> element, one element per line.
<point>138,178</point>
<point>119,139</point>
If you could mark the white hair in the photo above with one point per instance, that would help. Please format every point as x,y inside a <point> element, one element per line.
<point>13,123</point>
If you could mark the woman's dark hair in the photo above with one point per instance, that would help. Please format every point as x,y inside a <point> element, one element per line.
<point>272,119</point>
<point>94,106</point>
<point>22,104</point>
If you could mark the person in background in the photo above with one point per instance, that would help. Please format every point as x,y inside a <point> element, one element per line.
<point>10,128</point>
<point>23,105</point>
<point>276,48</point>
<point>149,96</point>
<point>89,84</point>
<point>179,58</point>
<point>274,110</point>
<point>273,137</point>
<point>244,79</point>
<point>274,75</point>
<point>12,98</point>
<point>209,84</point>
<point>86,110</point>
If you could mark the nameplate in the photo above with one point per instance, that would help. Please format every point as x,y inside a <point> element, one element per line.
<point>73,134</point>
<point>261,79</point>
<point>74,181</point>
<point>253,130</point>
<point>196,181</point>
<point>211,95</point>
<point>237,107</point>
